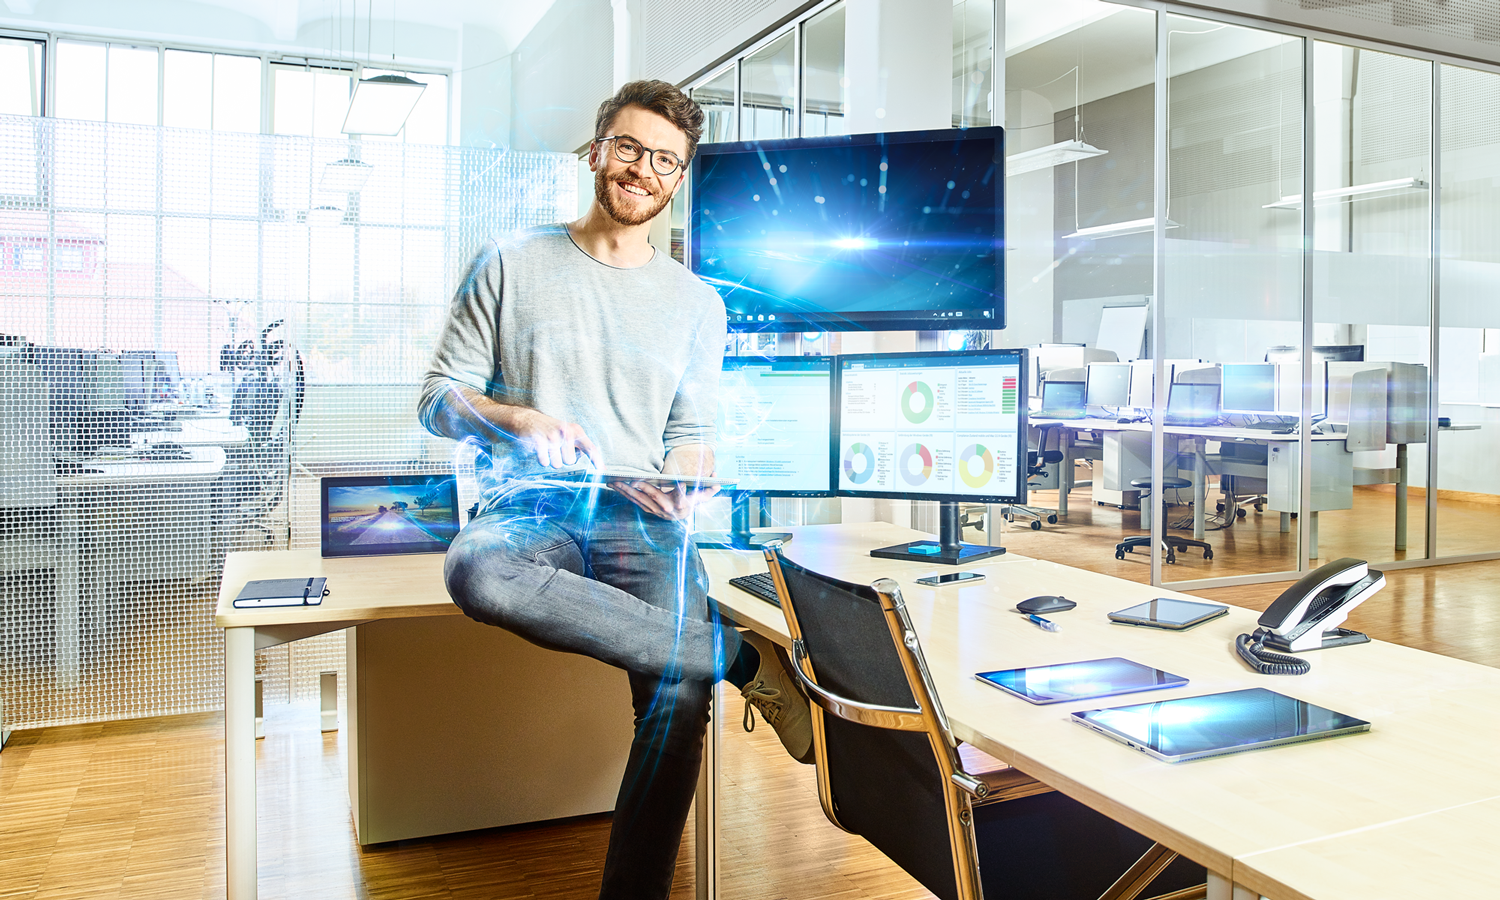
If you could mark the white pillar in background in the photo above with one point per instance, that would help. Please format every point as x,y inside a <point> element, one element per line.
<point>622,43</point>
<point>898,57</point>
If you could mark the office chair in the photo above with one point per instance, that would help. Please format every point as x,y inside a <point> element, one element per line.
<point>1037,462</point>
<point>255,478</point>
<point>888,767</point>
<point>1170,543</point>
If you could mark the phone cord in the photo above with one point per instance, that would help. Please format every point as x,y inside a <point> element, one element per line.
<point>1252,650</point>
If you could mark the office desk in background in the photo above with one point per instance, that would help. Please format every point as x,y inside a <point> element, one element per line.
<point>1436,721</point>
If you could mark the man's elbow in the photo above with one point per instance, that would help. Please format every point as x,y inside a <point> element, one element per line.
<point>436,404</point>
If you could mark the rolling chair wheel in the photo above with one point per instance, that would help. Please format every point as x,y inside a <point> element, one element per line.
<point>1171,556</point>
<point>1052,520</point>
<point>1218,507</point>
<point>1036,524</point>
<point>1119,554</point>
<point>1260,507</point>
<point>1008,517</point>
<point>1208,554</point>
<point>1240,513</point>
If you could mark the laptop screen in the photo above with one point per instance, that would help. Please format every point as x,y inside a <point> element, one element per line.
<point>1062,395</point>
<point>1199,402</point>
<point>383,515</point>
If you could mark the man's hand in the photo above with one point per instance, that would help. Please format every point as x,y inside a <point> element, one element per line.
<point>674,501</point>
<point>555,442</point>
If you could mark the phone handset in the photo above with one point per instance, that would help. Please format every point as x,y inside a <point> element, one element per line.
<point>1308,616</point>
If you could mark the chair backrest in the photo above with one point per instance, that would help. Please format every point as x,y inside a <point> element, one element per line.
<point>27,478</point>
<point>888,780</point>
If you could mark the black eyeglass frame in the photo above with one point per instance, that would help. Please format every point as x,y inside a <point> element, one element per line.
<point>645,151</point>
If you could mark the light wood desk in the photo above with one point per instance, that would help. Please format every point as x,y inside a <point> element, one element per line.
<point>1436,721</point>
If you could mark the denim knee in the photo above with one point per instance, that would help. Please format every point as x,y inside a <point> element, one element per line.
<point>493,575</point>
<point>674,715</point>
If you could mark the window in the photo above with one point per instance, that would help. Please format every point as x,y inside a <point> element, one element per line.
<point>21,77</point>
<point>309,101</point>
<point>825,87</point>
<point>428,122</point>
<point>215,91</point>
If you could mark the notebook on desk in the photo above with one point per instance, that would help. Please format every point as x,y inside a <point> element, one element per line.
<point>1192,404</point>
<point>1062,400</point>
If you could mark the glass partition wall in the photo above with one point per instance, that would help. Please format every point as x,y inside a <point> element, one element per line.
<point>1341,421</point>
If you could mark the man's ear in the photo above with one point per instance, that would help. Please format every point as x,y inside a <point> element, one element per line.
<point>593,156</point>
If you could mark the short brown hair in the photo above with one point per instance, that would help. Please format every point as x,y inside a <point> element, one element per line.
<point>661,98</point>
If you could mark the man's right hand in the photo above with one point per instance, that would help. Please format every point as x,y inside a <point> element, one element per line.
<point>556,443</point>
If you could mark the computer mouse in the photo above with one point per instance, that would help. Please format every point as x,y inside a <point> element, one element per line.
<point>1045,604</point>
<point>1285,431</point>
<point>1123,421</point>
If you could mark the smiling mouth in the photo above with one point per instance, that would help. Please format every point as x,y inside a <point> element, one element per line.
<point>633,190</point>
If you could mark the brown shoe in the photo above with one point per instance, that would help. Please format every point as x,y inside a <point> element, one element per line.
<point>775,692</point>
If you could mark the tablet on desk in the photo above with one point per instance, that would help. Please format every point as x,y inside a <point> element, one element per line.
<point>384,515</point>
<point>1080,680</point>
<point>1169,613</point>
<point>1217,724</point>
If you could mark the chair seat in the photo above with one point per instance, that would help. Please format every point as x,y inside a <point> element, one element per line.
<point>1168,482</point>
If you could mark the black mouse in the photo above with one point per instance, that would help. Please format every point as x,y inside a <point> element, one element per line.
<point>1285,430</point>
<point>1045,604</point>
<point>1123,421</point>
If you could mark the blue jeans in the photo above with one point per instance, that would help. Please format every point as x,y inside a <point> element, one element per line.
<point>588,572</point>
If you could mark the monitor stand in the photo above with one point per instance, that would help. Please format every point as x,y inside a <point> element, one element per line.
<point>947,549</point>
<point>739,537</point>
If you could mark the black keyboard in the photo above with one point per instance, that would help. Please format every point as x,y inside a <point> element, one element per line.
<point>759,584</point>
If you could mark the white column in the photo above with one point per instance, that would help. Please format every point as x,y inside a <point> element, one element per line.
<point>622,43</point>
<point>239,762</point>
<point>898,56</point>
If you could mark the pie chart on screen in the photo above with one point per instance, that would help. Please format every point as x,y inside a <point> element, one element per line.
<point>859,463</point>
<point>916,402</point>
<point>967,465</point>
<point>915,464</point>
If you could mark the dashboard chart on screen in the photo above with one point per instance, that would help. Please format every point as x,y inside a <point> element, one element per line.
<point>931,426</point>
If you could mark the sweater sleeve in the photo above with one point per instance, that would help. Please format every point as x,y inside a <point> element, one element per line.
<point>467,353</point>
<point>692,419</point>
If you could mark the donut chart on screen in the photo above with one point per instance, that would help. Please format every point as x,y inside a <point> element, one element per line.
<point>855,451</point>
<point>907,475</point>
<point>917,388</point>
<point>986,470</point>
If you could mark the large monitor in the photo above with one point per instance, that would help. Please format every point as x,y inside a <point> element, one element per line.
<point>1108,385</point>
<point>933,426</point>
<point>869,232</point>
<point>1249,388</point>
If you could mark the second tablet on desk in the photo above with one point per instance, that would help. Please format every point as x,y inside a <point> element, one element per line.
<point>1169,613</point>
<point>1080,680</point>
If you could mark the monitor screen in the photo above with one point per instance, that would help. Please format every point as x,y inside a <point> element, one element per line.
<point>775,425</point>
<point>1062,395</point>
<point>168,377</point>
<point>1339,352</point>
<point>1193,401</point>
<point>1249,388</point>
<point>378,515</point>
<point>933,426</point>
<point>1109,385</point>
<point>876,232</point>
<point>133,381</point>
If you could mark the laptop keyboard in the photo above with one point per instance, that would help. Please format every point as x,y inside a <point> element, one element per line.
<point>1058,414</point>
<point>759,584</point>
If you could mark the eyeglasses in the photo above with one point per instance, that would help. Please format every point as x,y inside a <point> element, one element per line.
<point>628,150</point>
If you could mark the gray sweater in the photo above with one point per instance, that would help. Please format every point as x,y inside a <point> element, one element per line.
<point>631,355</point>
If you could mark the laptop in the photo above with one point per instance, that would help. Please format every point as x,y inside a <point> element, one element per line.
<point>1061,400</point>
<point>1192,404</point>
<point>1217,724</point>
<point>388,515</point>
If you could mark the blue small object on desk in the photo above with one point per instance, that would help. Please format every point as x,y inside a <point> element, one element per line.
<point>926,549</point>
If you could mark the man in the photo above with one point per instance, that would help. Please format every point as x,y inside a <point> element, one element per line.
<point>581,342</point>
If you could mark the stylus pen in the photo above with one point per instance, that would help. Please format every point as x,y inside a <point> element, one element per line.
<point>1044,624</point>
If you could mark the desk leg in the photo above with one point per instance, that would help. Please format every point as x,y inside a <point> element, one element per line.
<point>1401,482</point>
<point>1222,888</point>
<point>1312,536</point>
<point>239,762</point>
<point>1286,522</point>
<point>1065,473</point>
<point>66,585</point>
<point>706,810</point>
<point>1200,491</point>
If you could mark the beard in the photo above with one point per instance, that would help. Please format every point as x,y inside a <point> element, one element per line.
<point>610,203</point>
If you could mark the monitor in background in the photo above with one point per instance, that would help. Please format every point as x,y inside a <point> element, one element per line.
<point>168,376</point>
<point>104,381</point>
<point>774,437</point>
<point>1339,352</point>
<point>1250,388</point>
<point>867,232</point>
<point>1192,404</point>
<point>1062,400</point>
<point>1142,383</point>
<point>62,367</point>
<point>948,427</point>
<point>136,367</point>
<point>1108,385</point>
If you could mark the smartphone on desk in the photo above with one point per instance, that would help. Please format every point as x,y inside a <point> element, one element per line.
<point>948,578</point>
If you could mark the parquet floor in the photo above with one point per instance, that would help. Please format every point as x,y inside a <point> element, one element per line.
<point>134,809</point>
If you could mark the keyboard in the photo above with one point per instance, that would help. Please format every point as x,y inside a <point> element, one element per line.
<point>759,584</point>
<point>1058,414</point>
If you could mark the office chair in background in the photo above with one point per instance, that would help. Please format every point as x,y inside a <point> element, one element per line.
<point>888,767</point>
<point>254,483</point>
<point>1037,462</point>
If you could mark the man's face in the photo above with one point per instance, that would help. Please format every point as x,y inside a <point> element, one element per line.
<point>633,193</point>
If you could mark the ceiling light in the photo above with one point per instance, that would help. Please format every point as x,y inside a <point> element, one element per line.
<point>1356,192</point>
<point>1049,156</point>
<point>1135,226</point>
<point>381,105</point>
<point>325,215</point>
<point>345,176</point>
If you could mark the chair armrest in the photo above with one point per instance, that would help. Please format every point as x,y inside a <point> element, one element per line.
<point>999,785</point>
<point>894,718</point>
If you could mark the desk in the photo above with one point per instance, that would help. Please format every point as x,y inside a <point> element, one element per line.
<point>1436,721</point>
<point>409,646</point>
<point>195,432</point>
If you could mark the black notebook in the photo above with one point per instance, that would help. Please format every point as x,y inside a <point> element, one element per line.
<point>281,592</point>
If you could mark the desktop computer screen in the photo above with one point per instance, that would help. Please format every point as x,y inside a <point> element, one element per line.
<point>1192,404</point>
<point>775,425</point>
<point>1249,388</point>
<point>933,426</point>
<point>1062,399</point>
<point>1108,385</point>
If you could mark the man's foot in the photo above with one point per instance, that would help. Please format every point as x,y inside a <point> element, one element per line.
<point>775,692</point>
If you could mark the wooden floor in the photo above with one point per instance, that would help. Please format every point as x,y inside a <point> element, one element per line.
<point>135,808</point>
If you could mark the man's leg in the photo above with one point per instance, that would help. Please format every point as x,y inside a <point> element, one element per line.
<point>521,569</point>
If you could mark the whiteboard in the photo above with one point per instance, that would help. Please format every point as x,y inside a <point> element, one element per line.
<point>1123,330</point>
